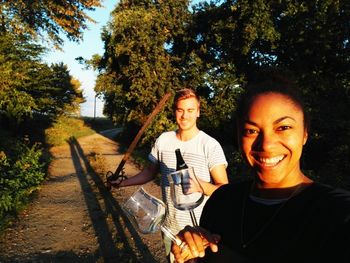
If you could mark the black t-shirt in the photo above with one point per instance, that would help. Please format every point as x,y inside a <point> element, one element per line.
<point>312,226</point>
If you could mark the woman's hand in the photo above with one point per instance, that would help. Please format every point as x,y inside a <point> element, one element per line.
<point>197,240</point>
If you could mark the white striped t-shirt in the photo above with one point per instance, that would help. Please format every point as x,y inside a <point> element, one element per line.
<point>201,152</point>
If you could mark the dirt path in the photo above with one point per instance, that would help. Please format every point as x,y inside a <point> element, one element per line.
<point>75,218</point>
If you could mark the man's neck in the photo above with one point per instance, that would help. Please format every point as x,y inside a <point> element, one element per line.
<point>186,135</point>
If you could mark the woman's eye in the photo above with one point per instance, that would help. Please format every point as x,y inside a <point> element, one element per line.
<point>250,131</point>
<point>283,128</point>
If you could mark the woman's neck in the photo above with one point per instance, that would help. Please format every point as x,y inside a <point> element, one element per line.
<point>258,190</point>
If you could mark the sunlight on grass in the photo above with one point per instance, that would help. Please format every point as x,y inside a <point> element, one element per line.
<point>65,127</point>
<point>98,162</point>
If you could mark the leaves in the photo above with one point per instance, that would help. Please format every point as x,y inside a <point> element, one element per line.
<point>137,68</point>
<point>28,85</point>
<point>20,173</point>
<point>47,18</point>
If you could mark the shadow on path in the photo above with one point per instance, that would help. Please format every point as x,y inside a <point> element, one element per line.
<point>109,249</point>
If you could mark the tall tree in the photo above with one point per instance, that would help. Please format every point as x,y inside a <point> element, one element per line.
<point>150,48</point>
<point>46,18</point>
<point>27,85</point>
<point>137,67</point>
<point>17,58</point>
<point>54,90</point>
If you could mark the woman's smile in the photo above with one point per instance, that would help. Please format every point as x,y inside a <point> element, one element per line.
<point>269,162</point>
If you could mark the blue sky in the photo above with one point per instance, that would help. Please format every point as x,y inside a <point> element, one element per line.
<point>91,44</point>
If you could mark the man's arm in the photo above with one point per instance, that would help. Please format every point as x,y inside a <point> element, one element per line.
<point>218,176</point>
<point>146,175</point>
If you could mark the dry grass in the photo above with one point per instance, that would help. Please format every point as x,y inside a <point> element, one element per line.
<point>64,128</point>
<point>98,162</point>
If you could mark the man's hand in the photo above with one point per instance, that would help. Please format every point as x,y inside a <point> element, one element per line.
<point>115,181</point>
<point>197,240</point>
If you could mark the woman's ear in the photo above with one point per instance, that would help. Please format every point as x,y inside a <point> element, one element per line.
<point>306,135</point>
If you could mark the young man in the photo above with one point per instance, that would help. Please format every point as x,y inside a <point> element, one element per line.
<point>199,151</point>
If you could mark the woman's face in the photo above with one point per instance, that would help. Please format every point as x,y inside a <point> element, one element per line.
<point>272,138</point>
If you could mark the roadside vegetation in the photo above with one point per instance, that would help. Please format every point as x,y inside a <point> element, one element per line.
<point>24,159</point>
<point>22,172</point>
<point>65,127</point>
<point>39,103</point>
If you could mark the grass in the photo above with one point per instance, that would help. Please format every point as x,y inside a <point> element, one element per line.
<point>66,127</point>
<point>98,162</point>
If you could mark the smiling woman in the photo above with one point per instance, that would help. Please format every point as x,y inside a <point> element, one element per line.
<point>272,136</point>
<point>281,215</point>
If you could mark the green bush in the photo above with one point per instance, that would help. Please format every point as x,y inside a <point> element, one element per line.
<point>21,172</point>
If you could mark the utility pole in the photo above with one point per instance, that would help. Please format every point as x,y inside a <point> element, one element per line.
<point>95,107</point>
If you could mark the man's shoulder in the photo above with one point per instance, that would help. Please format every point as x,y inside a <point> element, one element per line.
<point>206,137</point>
<point>204,134</point>
<point>167,135</point>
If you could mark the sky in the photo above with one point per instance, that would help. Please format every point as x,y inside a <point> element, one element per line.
<point>91,44</point>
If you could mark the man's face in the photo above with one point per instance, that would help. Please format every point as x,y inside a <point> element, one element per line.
<point>186,114</point>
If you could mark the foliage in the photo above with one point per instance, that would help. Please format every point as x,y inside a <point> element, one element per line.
<point>137,68</point>
<point>63,128</point>
<point>148,51</point>
<point>47,18</point>
<point>56,91</point>
<point>21,172</point>
<point>16,105</point>
<point>33,93</point>
<point>29,86</point>
<point>17,59</point>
